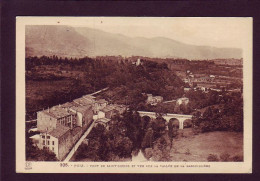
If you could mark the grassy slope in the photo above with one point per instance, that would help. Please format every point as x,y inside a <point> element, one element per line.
<point>200,146</point>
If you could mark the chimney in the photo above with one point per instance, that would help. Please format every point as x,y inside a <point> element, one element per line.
<point>48,109</point>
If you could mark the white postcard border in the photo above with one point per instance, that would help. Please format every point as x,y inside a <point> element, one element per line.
<point>23,166</point>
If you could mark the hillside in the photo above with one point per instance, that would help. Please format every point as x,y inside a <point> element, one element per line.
<point>82,41</point>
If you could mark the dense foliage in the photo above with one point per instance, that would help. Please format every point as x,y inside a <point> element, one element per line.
<point>227,117</point>
<point>127,134</point>
<point>33,153</point>
<point>127,82</point>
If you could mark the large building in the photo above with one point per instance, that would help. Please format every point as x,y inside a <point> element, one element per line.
<point>61,126</point>
<point>49,118</point>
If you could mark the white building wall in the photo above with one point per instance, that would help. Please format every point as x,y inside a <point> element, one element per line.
<point>50,142</point>
<point>101,114</point>
<point>79,117</point>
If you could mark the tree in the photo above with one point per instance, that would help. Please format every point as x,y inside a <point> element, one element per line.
<point>161,149</point>
<point>172,130</point>
<point>33,153</point>
<point>148,139</point>
<point>159,126</point>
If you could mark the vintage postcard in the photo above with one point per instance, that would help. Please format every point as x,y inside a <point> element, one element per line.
<point>133,95</point>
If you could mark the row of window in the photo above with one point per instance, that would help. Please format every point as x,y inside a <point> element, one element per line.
<point>48,142</point>
<point>51,148</point>
<point>43,137</point>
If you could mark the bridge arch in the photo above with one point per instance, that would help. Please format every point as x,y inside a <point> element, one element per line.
<point>146,118</point>
<point>180,117</point>
<point>174,122</point>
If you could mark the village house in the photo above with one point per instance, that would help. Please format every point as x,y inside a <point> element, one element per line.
<point>58,141</point>
<point>103,121</point>
<point>104,115</point>
<point>99,104</point>
<point>49,118</point>
<point>84,115</point>
<point>182,101</point>
<point>153,100</point>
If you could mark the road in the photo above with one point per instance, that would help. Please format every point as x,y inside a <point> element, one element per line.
<point>99,91</point>
<point>74,149</point>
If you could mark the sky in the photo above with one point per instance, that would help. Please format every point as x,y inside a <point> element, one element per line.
<point>217,32</point>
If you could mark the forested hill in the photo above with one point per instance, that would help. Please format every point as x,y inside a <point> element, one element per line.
<point>53,80</point>
<point>67,41</point>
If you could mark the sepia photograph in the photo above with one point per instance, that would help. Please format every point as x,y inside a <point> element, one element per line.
<point>133,95</point>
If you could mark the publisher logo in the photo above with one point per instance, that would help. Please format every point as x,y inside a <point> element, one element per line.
<point>28,165</point>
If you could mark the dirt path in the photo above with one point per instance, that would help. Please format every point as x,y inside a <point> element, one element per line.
<point>74,149</point>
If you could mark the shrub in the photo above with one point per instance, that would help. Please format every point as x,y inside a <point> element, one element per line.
<point>187,123</point>
<point>212,158</point>
<point>224,157</point>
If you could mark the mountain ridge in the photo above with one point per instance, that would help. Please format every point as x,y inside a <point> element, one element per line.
<point>78,42</point>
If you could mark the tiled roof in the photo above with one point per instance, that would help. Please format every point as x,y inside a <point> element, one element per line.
<point>59,131</point>
<point>68,104</point>
<point>83,102</point>
<point>81,109</point>
<point>101,101</point>
<point>76,130</point>
<point>58,112</point>
<point>108,108</point>
<point>118,107</point>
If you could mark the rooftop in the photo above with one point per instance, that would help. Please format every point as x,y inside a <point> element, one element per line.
<point>76,130</point>
<point>101,101</point>
<point>103,120</point>
<point>83,102</point>
<point>59,131</point>
<point>57,112</point>
<point>108,108</point>
<point>117,107</point>
<point>68,104</point>
<point>81,109</point>
<point>89,97</point>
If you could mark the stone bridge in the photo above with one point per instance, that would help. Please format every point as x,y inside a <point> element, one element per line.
<point>180,117</point>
